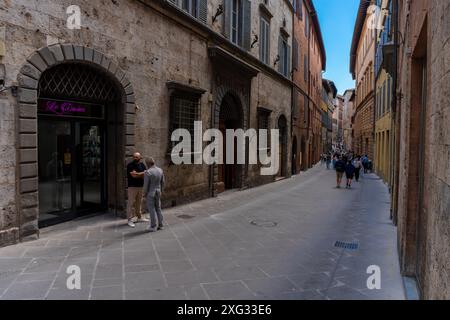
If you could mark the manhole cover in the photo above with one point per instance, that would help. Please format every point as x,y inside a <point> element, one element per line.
<point>346,245</point>
<point>185,216</point>
<point>264,223</point>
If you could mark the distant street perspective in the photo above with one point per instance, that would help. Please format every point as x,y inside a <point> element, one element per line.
<point>225,150</point>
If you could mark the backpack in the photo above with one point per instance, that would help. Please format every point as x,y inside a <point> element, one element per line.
<point>340,166</point>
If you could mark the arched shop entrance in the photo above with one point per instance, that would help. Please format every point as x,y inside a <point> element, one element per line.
<point>82,106</point>
<point>283,152</point>
<point>231,117</point>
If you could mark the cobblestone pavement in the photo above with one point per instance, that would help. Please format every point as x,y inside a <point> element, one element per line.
<point>272,242</point>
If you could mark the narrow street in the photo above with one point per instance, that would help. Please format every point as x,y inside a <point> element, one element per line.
<point>272,242</point>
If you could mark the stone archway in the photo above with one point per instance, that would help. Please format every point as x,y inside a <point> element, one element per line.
<point>237,108</point>
<point>283,145</point>
<point>27,154</point>
<point>294,156</point>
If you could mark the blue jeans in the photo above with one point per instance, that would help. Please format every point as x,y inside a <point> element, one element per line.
<point>154,208</point>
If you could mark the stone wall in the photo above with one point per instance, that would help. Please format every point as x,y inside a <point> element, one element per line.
<point>428,37</point>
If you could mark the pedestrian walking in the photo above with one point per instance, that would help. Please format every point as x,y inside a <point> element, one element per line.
<point>358,165</point>
<point>335,159</point>
<point>135,176</point>
<point>153,186</point>
<point>340,169</point>
<point>349,173</point>
<point>328,160</point>
<point>365,163</point>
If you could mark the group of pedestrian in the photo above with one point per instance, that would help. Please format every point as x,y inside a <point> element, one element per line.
<point>350,165</point>
<point>326,160</point>
<point>145,185</point>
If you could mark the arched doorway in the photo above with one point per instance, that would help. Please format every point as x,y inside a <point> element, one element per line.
<point>294,156</point>
<point>79,110</point>
<point>230,117</point>
<point>303,156</point>
<point>76,148</point>
<point>282,127</point>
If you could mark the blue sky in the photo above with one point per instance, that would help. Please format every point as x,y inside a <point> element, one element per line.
<point>337,20</point>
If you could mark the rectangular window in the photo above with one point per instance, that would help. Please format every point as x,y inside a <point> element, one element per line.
<point>264,44</point>
<point>184,111</point>
<point>285,57</point>
<point>236,22</point>
<point>305,69</point>
<point>191,6</point>
<point>263,123</point>
<point>389,99</point>
<point>300,9</point>
<point>306,25</point>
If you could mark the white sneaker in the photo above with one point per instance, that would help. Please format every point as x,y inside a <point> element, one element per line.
<point>131,224</point>
<point>142,220</point>
<point>150,229</point>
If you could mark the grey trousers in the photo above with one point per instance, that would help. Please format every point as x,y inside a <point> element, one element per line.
<point>154,208</point>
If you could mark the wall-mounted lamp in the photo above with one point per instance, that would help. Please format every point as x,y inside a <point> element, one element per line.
<point>255,40</point>
<point>218,13</point>
<point>277,59</point>
<point>14,89</point>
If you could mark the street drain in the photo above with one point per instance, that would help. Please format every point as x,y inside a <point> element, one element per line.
<point>185,216</point>
<point>346,245</point>
<point>264,223</point>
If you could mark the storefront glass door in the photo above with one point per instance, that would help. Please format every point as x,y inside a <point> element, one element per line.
<point>55,170</point>
<point>71,169</point>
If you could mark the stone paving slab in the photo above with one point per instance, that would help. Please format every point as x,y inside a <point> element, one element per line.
<point>271,242</point>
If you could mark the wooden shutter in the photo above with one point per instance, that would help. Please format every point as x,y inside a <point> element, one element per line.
<point>227,7</point>
<point>295,105</point>
<point>289,61</point>
<point>203,11</point>
<point>247,24</point>
<point>280,54</point>
<point>295,54</point>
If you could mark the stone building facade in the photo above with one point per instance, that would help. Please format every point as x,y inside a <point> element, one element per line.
<point>384,136</point>
<point>422,182</point>
<point>79,102</point>
<point>338,123</point>
<point>307,90</point>
<point>362,58</point>
<point>329,93</point>
<point>347,116</point>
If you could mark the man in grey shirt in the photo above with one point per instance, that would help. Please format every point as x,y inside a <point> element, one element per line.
<point>153,186</point>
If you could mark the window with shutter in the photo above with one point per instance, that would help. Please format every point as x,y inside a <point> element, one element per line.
<point>246,24</point>
<point>191,7</point>
<point>236,22</point>
<point>284,52</point>
<point>305,68</point>
<point>264,42</point>
<point>203,11</point>
<point>295,53</point>
<point>228,4</point>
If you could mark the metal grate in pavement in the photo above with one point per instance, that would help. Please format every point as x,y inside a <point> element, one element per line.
<point>264,223</point>
<point>185,216</point>
<point>346,245</point>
